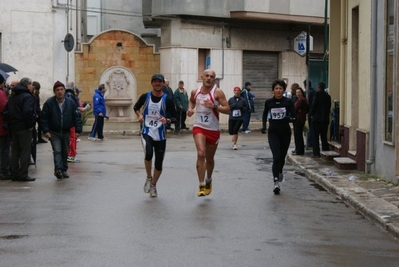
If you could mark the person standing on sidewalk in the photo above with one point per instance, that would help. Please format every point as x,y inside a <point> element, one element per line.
<point>59,115</point>
<point>99,112</point>
<point>156,105</point>
<point>36,94</point>
<point>73,142</point>
<point>169,92</point>
<point>310,92</point>
<point>181,101</point>
<point>320,114</point>
<point>301,109</point>
<point>208,100</point>
<point>22,109</point>
<point>245,93</point>
<point>280,112</point>
<point>4,137</point>
<point>238,106</point>
<point>70,92</point>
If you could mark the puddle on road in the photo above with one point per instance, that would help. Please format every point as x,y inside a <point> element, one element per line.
<point>12,237</point>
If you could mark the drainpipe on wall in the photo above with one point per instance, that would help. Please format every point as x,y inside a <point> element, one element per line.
<point>222,52</point>
<point>373,82</point>
<point>67,24</point>
<point>325,73</point>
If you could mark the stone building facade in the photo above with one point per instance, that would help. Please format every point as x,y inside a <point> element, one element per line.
<point>123,62</point>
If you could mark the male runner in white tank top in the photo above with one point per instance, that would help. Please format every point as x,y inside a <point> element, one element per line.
<point>208,100</point>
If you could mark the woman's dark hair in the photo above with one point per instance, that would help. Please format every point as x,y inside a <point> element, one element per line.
<point>279,82</point>
<point>303,92</point>
<point>36,85</point>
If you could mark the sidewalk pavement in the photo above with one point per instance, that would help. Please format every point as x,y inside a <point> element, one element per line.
<point>375,199</point>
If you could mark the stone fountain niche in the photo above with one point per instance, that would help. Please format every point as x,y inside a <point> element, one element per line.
<point>121,85</point>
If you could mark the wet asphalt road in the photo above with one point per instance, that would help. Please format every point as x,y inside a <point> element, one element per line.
<point>101,216</point>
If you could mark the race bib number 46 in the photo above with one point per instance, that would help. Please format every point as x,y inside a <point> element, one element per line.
<point>236,113</point>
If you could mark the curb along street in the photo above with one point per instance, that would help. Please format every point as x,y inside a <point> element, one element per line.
<point>375,200</point>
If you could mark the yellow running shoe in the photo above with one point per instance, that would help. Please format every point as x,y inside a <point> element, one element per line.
<point>201,191</point>
<point>208,188</point>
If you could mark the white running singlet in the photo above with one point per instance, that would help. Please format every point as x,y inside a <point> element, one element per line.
<point>206,118</point>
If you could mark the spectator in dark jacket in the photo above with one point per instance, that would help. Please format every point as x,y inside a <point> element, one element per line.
<point>4,138</point>
<point>320,114</point>
<point>22,110</point>
<point>245,93</point>
<point>59,115</point>
<point>36,94</point>
<point>310,92</point>
<point>181,101</point>
<point>301,109</point>
<point>169,92</point>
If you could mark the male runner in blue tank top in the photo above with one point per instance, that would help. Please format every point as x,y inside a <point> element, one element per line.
<point>155,107</point>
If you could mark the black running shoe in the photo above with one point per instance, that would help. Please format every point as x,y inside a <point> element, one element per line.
<point>58,174</point>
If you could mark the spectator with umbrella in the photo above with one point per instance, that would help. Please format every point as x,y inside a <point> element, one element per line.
<point>7,68</point>
<point>4,140</point>
<point>21,107</point>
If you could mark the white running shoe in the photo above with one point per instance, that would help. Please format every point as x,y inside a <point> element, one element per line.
<point>234,147</point>
<point>153,191</point>
<point>147,185</point>
<point>276,189</point>
<point>73,159</point>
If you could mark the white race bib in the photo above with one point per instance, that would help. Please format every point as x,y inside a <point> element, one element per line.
<point>278,113</point>
<point>236,113</point>
<point>152,119</point>
<point>204,117</point>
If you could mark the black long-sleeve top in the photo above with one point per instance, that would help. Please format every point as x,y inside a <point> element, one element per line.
<point>279,112</point>
<point>237,103</point>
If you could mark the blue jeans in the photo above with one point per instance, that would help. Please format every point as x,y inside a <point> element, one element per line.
<point>247,118</point>
<point>60,145</point>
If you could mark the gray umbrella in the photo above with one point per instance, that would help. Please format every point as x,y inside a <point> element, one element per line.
<point>7,68</point>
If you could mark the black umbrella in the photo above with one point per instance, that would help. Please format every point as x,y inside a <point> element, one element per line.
<point>5,75</point>
<point>7,68</point>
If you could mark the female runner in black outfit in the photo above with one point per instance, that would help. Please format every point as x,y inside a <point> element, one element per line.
<point>280,111</point>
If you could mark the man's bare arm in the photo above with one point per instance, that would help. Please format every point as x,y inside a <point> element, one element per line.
<point>223,104</point>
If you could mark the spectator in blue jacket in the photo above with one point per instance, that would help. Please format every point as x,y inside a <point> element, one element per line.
<point>99,112</point>
<point>246,94</point>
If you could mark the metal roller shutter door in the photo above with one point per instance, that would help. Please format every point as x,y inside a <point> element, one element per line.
<point>261,69</point>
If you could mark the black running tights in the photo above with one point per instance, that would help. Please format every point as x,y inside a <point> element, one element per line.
<point>279,143</point>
